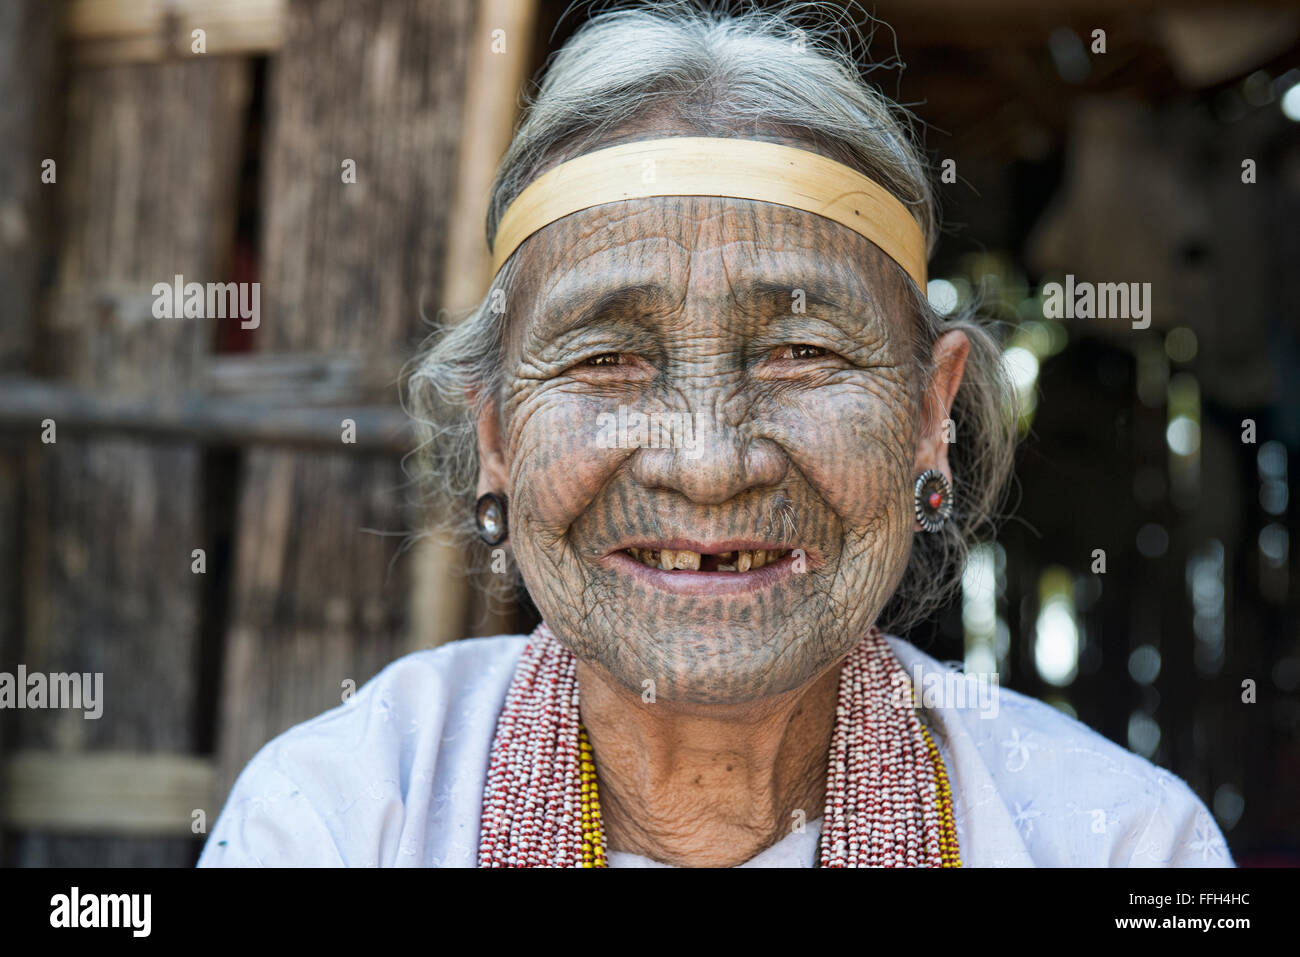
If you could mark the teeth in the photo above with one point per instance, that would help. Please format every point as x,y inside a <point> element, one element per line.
<point>681,559</point>
<point>689,561</point>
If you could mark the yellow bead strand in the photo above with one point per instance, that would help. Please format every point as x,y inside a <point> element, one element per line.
<point>593,833</point>
<point>948,849</point>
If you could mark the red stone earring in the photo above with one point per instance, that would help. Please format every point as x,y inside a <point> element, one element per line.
<point>933,500</point>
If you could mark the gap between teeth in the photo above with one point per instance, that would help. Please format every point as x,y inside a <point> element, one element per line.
<point>741,561</point>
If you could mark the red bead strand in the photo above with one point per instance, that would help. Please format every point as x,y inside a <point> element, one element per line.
<point>888,802</point>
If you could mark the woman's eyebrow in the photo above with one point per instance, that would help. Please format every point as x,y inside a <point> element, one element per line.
<point>583,304</point>
<point>845,307</point>
<point>814,291</point>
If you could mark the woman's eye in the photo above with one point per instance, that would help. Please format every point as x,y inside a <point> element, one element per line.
<point>802,351</point>
<point>606,359</point>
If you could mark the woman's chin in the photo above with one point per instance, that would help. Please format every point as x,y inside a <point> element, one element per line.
<point>718,662</point>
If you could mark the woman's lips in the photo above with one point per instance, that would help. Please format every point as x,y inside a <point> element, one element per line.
<point>735,560</point>
<point>718,571</point>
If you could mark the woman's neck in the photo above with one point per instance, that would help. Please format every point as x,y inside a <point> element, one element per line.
<point>713,791</point>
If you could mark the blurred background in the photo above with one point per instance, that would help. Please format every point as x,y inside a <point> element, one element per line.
<point>202,533</point>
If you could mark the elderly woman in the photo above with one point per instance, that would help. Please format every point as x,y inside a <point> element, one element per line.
<point>707,412</point>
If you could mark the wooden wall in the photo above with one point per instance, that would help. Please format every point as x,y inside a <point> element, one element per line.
<point>176,435</point>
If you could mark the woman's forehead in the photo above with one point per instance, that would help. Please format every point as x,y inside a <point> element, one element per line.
<point>712,248</point>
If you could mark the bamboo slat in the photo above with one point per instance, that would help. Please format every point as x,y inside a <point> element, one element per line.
<point>126,794</point>
<point>102,32</point>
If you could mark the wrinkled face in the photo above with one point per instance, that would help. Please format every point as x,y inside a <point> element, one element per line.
<point>718,386</point>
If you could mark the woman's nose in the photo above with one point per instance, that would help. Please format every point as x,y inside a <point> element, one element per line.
<point>713,465</point>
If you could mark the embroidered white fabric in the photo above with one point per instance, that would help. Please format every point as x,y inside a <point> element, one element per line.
<point>394,778</point>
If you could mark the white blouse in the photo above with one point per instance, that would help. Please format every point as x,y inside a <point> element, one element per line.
<point>394,778</point>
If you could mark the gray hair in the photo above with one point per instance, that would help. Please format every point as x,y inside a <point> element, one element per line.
<point>761,72</point>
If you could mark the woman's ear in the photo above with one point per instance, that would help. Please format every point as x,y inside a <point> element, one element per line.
<point>937,432</point>
<point>493,473</point>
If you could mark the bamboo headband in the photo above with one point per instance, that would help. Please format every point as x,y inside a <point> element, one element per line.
<point>707,166</point>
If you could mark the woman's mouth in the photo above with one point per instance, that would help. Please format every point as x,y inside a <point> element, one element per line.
<point>725,568</point>
<point>736,560</point>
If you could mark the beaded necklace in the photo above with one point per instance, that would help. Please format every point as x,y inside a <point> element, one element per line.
<point>888,803</point>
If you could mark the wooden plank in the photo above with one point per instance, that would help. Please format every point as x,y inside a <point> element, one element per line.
<point>140,794</point>
<point>28,63</point>
<point>197,418</point>
<point>320,593</point>
<point>146,185</point>
<point>300,379</point>
<point>102,32</point>
<point>147,177</point>
<point>352,267</point>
